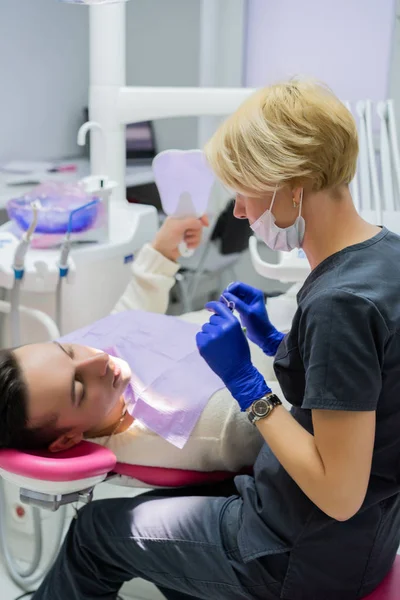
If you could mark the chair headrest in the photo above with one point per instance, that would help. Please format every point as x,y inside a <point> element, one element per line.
<point>83,461</point>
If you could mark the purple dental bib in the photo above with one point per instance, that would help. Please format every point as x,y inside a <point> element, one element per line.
<point>171,384</point>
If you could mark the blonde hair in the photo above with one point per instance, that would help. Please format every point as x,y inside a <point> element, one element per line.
<point>290,133</point>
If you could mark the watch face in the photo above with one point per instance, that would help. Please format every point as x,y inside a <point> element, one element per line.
<point>261,408</point>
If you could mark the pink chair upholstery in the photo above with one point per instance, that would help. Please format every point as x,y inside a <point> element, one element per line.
<point>159,477</point>
<point>81,462</point>
<point>390,587</point>
<point>89,460</point>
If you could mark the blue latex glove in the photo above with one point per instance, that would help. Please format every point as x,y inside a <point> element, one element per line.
<point>224,347</point>
<point>250,304</point>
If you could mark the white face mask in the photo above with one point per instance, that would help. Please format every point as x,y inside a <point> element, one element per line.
<point>275,237</point>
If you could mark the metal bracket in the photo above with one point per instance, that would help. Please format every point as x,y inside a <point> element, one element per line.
<point>54,501</point>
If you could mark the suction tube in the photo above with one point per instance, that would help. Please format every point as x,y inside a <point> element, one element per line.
<point>63,262</point>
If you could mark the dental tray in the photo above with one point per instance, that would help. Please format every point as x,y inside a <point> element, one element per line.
<point>55,204</point>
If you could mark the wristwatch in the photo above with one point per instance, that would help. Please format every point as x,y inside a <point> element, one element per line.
<point>262,408</point>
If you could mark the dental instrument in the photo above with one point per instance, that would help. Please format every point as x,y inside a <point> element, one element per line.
<point>19,270</point>
<point>184,182</point>
<point>231,305</point>
<point>63,262</point>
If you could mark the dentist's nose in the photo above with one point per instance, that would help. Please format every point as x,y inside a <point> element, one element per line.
<point>239,210</point>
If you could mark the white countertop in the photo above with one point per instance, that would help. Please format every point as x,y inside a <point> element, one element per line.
<point>135,175</point>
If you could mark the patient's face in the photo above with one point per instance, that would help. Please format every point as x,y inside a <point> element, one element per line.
<point>82,386</point>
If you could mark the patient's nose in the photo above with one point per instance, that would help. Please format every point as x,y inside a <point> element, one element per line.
<point>95,365</point>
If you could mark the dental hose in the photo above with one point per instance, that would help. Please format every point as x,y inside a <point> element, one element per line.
<point>63,267</point>
<point>27,578</point>
<point>14,312</point>
<point>19,270</point>
<point>24,578</point>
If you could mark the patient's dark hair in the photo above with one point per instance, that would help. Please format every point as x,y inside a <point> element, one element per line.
<point>14,430</point>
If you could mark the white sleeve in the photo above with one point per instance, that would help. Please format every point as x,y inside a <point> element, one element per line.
<point>239,442</point>
<point>153,276</point>
<point>223,439</point>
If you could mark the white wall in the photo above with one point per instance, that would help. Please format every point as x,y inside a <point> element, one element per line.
<point>43,74</point>
<point>346,43</point>
<point>44,70</point>
<point>44,67</point>
<point>162,49</point>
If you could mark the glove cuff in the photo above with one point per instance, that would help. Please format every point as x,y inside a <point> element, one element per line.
<point>273,341</point>
<point>249,385</point>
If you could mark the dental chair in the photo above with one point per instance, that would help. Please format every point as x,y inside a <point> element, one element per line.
<point>49,480</point>
<point>52,481</point>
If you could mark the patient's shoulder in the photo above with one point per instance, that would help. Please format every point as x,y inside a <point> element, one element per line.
<point>218,410</point>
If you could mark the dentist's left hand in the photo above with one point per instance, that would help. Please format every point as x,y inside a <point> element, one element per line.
<point>223,345</point>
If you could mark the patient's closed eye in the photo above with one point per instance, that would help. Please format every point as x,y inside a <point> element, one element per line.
<point>79,390</point>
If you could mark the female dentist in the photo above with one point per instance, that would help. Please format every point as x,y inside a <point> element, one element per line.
<point>326,484</point>
<point>320,517</point>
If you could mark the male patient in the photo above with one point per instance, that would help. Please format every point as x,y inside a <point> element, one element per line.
<point>53,395</point>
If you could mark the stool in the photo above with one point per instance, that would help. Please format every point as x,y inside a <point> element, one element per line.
<point>389,589</point>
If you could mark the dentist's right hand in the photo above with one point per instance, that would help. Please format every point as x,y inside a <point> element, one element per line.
<point>250,304</point>
<point>224,347</point>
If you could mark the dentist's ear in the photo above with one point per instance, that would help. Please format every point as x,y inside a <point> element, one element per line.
<point>297,194</point>
<point>65,441</point>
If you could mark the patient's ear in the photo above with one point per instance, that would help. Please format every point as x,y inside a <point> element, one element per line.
<point>66,441</point>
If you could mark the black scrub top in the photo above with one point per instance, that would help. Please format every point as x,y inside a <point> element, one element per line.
<point>342,353</point>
